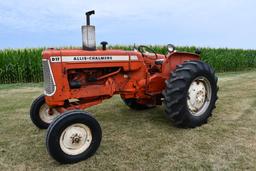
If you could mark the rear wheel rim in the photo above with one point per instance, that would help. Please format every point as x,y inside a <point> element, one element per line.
<point>199,96</point>
<point>75,139</point>
<point>44,114</point>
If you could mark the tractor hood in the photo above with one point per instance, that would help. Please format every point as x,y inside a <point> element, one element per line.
<point>90,56</point>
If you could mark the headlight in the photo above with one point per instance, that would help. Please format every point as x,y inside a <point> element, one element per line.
<point>171,48</point>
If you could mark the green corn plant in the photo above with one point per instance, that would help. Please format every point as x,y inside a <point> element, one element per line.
<point>25,65</point>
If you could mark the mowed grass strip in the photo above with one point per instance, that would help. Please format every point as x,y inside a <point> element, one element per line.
<point>140,140</point>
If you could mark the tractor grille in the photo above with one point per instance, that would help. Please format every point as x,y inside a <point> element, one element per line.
<point>49,84</point>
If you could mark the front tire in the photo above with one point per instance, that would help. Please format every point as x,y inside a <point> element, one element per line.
<point>73,136</point>
<point>39,113</point>
<point>191,94</point>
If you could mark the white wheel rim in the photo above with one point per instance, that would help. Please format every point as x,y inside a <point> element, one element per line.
<point>75,139</point>
<point>44,114</point>
<point>199,96</point>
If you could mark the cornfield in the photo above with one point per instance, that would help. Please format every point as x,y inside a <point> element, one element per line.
<point>24,65</point>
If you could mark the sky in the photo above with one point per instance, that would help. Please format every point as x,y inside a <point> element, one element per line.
<point>57,23</point>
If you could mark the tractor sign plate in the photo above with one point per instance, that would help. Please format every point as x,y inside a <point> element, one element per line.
<point>97,58</point>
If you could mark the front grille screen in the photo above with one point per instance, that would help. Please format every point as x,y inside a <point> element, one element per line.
<point>49,85</point>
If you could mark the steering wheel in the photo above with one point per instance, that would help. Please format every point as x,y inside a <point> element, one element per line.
<point>147,51</point>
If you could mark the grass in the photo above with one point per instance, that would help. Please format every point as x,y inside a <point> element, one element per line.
<point>142,140</point>
<point>24,65</point>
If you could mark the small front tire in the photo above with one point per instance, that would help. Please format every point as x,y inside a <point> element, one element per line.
<point>73,137</point>
<point>39,113</point>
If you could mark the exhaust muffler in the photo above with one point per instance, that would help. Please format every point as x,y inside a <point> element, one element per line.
<point>88,33</point>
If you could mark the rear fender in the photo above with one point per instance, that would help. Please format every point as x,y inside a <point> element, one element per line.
<point>175,59</point>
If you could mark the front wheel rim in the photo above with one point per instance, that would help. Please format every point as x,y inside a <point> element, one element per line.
<point>45,114</point>
<point>75,139</point>
<point>199,96</point>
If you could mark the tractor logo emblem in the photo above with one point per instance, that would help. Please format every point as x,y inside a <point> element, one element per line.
<point>55,59</point>
<point>91,58</point>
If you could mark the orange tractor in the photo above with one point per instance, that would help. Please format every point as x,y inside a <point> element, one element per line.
<point>77,79</point>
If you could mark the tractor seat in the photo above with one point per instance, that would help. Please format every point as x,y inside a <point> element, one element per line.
<point>159,61</point>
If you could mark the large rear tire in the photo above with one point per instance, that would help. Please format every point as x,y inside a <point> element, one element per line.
<point>191,94</point>
<point>73,136</point>
<point>39,113</point>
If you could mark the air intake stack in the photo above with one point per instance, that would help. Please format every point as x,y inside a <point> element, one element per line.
<point>88,33</point>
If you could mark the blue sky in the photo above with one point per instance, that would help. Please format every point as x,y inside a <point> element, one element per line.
<point>51,23</point>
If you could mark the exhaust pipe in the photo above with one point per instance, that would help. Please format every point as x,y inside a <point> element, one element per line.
<point>88,33</point>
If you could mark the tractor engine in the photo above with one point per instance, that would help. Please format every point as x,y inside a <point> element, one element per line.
<point>78,78</point>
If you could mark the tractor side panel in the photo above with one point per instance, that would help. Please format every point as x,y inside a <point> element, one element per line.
<point>156,84</point>
<point>126,81</point>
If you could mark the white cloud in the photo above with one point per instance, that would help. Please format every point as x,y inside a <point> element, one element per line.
<point>212,19</point>
<point>31,14</point>
<point>35,15</point>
